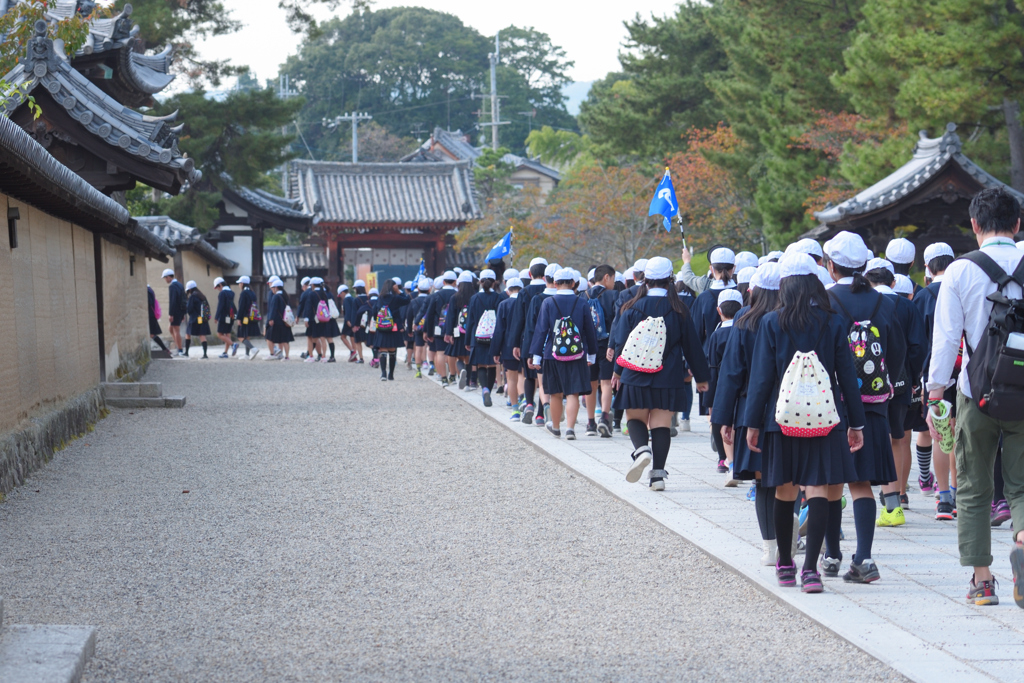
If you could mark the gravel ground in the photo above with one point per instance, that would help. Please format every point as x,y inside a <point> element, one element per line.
<point>338,528</point>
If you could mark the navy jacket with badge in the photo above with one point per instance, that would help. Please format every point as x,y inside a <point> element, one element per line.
<point>715,351</point>
<point>559,306</point>
<point>861,306</point>
<point>608,300</point>
<point>531,317</point>
<point>438,300</point>
<point>912,324</point>
<point>415,312</point>
<point>502,342</point>
<point>225,305</point>
<point>773,352</point>
<point>705,313</point>
<point>176,300</point>
<point>517,321</point>
<point>733,373</point>
<point>681,344</point>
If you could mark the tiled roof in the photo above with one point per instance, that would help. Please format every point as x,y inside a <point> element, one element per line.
<point>395,193</point>
<point>287,261</point>
<point>277,212</point>
<point>151,138</point>
<point>177,235</point>
<point>444,145</point>
<point>522,162</point>
<point>931,156</point>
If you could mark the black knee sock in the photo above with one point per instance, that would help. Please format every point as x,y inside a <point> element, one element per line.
<point>248,345</point>
<point>716,434</point>
<point>392,361</point>
<point>618,416</point>
<point>817,522</point>
<point>384,365</point>
<point>924,459</point>
<point>864,520</point>
<point>486,377</point>
<point>529,389</point>
<point>997,492</point>
<point>188,345</point>
<point>764,506</point>
<point>376,354</point>
<point>330,345</point>
<point>204,349</point>
<point>835,524</point>
<point>661,441</point>
<point>638,433</point>
<point>160,342</point>
<point>783,514</point>
<point>460,366</point>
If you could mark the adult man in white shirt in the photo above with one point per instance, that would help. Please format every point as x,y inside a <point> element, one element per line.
<point>962,310</point>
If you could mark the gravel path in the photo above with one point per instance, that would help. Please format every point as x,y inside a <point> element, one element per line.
<point>338,528</point>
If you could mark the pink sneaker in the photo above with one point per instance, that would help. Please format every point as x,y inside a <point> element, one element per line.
<point>927,485</point>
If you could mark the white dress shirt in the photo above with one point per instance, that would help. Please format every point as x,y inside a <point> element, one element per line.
<point>963,309</point>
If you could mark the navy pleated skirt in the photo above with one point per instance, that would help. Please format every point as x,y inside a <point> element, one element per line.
<point>481,354</point>
<point>279,333</point>
<point>314,329</point>
<point>511,365</point>
<point>196,329</point>
<point>632,397</point>
<point>874,462</point>
<point>807,462</point>
<point>251,329</point>
<point>331,328</point>
<point>565,377</point>
<point>745,461</point>
<point>224,327</point>
<point>389,340</point>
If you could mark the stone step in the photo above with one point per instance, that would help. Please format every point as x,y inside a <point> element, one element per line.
<point>45,654</point>
<point>132,389</point>
<point>147,402</point>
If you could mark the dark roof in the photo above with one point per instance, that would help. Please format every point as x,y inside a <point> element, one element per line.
<point>464,258</point>
<point>931,157</point>
<point>28,173</point>
<point>287,261</point>
<point>269,210</point>
<point>180,236</point>
<point>444,145</point>
<point>149,138</point>
<point>519,162</point>
<point>395,193</point>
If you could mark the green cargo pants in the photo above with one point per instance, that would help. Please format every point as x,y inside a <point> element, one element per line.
<point>977,438</point>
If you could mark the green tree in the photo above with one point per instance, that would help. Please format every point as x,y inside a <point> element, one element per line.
<point>560,148</point>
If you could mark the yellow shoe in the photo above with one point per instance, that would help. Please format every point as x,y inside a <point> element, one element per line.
<point>894,518</point>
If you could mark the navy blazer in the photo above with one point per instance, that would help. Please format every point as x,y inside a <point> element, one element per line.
<point>307,304</point>
<point>912,324</point>
<point>621,299</point>
<point>531,318</point>
<point>733,373</point>
<point>394,302</point>
<point>608,300</point>
<point>275,312</point>
<point>561,306</point>
<point>681,345</point>
<point>480,302</point>
<point>246,298</point>
<point>502,342</point>
<point>438,300</point>
<point>176,299</point>
<point>773,352</point>
<point>517,322</point>
<point>705,313</point>
<point>715,351</point>
<point>225,304</point>
<point>924,301</point>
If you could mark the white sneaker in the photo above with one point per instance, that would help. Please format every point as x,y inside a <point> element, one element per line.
<point>252,355</point>
<point>771,553</point>
<point>730,481</point>
<point>658,485</point>
<point>643,459</point>
<point>684,425</point>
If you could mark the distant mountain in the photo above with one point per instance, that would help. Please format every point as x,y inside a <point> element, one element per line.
<point>576,92</point>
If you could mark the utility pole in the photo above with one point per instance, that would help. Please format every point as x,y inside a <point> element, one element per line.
<point>495,110</point>
<point>355,118</point>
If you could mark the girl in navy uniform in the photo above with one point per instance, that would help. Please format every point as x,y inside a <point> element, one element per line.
<point>455,334</point>
<point>277,331</point>
<point>389,336</point>
<point>821,465</point>
<point>330,328</point>
<point>198,309</point>
<point>346,325</point>
<point>705,307</point>
<point>154,326</point>
<point>517,332</point>
<point>649,399</point>
<point>356,305</point>
<point>438,313</point>
<point>248,325</point>
<point>730,301</point>
<point>483,308</point>
<point>564,358</point>
<point>314,328</point>
<point>502,344</point>
<point>225,314</point>
<point>731,399</point>
<point>416,323</point>
<point>687,297</point>
<point>530,331</point>
<point>854,300</point>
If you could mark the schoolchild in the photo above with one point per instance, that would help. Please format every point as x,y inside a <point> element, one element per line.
<point>481,320</point>
<point>330,329</point>
<point>388,336</point>
<point>371,326</point>
<point>407,330</point>
<point>880,343</point>
<point>176,308</point>
<point>198,316</point>
<point>904,286</point>
<point>901,253</point>
<point>636,275</point>
<point>507,277</point>
<point>279,333</point>
<point>307,313</point>
<point>517,333</point>
<point>438,314</point>
<point>730,301</point>
<point>881,275</point>
<point>357,314</point>
<point>705,308</point>
<point>601,298</point>
<point>502,344</point>
<point>225,314</point>
<point>416,322</point>
<point>455,333</point>
<point>804,329</point>
<point>531,330</point>
<point>344,327</point>
<point>730,402</point>
<point>154,325</point>
<point>563,346</point>
<point>686,295</point>
<point>248,316</point>
<point>649,386</point>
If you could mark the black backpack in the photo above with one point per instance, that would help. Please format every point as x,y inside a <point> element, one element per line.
<point>868,356</point>
<point>996,371</point>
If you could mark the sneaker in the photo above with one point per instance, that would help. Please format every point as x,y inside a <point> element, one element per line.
<point>360,362</point>
<point>223,355</point>
<point>625,430</point>
<point>927,485</point>
<point>1000,513</point>
<point>722,469</point>
<point>444,382</point>
<point>430,372</point>
<point>271,357</point>
<point>802,520</point>
<point>881,498</point>
<point>463,379</point>
<point>810,582</point>
<point>279,354</point>
<point>500,390</point>
<point>684,425</point>
<point>714,449</point>
<point>516,417</point>
<point>786,574</point>
<point>550,426</point>
<point>658,485</point>
<point>771,553</point>
<point>985,592</point>
<point>904,501</point>
<point>234,348</point>
<point>252,356</point>
<point>731,482</point>
<point>331,360</point>
<point>383,379</point>
<point>591,428</point>
<point>604,428</point>
<point>752,493</point>
<point>830,566</point>
<point>309,359</point>
<point>862,572</point>
<point>487,399</point>
<point>528,414</point>
<point>944,511</point>
<point>1017,565</point>
<point>419,374</point>
<point>894,518</point>
<point>641,459</point>
<point>673,432</point>
<point>570,434</point>
<point>617,426</point>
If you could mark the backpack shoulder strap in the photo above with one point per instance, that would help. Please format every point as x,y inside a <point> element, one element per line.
<point>878,304</point>
<point>992,269</point>
<point>836,299</point>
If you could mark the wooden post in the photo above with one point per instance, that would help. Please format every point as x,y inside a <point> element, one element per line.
<point>332,265</point>
<point>439,255</point>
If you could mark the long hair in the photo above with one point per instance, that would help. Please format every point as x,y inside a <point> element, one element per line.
<point>860,283</point>
<point>762,302</point>
<point>798,296</point>
<point>462,296</point>
<point>667,284</point>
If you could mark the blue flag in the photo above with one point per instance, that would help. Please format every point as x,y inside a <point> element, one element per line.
<point>664,201</point>
<point>502,248</point>
<point>423,270</point>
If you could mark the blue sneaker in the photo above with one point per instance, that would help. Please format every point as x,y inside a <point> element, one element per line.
<point>516,417</point>
<point>803,521</point>
<point>752,493</point>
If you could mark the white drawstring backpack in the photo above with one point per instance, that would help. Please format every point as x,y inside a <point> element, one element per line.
<point>644,350</point>
<point>806,407</point>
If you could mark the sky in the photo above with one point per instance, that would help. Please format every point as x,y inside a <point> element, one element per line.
<point>590,33</point>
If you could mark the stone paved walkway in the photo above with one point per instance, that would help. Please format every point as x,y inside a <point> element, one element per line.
<point>915,619</point>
